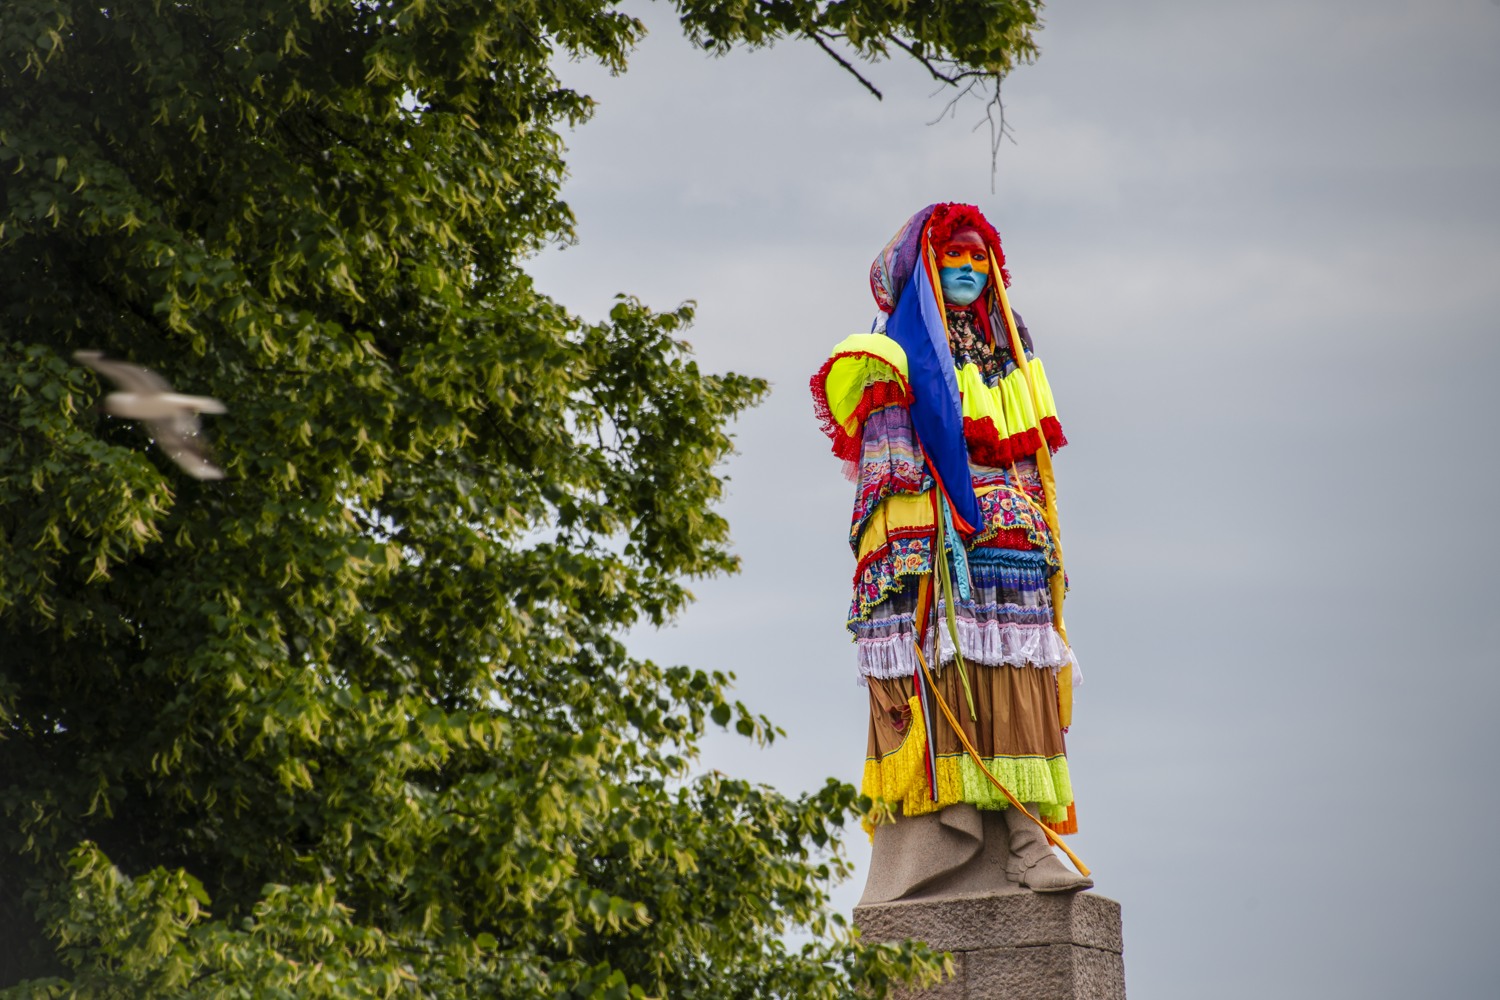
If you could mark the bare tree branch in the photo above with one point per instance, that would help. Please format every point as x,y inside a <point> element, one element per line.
<point>818,37</point>
<point>994,113</point>
<point>916,54</point>
<point>950,109</point>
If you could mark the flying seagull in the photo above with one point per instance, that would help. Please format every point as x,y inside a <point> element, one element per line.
<point>171,417</point>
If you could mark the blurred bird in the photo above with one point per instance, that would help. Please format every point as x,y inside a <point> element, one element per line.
<point>171,417</point>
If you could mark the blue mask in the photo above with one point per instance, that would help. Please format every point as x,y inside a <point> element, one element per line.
<point>962,285</point>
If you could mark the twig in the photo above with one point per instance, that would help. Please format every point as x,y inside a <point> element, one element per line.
<point>916,54</point>
<point>848,66</point>
<point>950,109</point>
<point>994,114</point>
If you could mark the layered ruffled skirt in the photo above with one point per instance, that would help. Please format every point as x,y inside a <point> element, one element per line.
<point>1014,728</point>
<point>1003,623</point>
<point>1011,653</point>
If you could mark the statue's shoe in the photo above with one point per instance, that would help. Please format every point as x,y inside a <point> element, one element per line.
<point>1032,863</point>
<point>1045,873</point>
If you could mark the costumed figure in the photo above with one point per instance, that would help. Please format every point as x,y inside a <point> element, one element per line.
<point>945,420</point>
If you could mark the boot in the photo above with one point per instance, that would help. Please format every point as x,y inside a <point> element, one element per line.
<point>921,857</point>
<point>1032,863</point>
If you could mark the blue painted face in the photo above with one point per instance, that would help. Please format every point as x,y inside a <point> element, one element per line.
<point>962,285</point>
<point>964,267</point>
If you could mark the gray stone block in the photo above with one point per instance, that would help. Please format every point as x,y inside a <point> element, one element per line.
<point>951,989</point>
<point>1098,974</point>
<point>1044,972</point>
<point>966,923</point>
<point>1026,946</point>
<point>1040,972</point>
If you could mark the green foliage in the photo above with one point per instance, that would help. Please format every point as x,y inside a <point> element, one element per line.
<point>356,721</point>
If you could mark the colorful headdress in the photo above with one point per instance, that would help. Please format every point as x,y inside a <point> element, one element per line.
<point>905,284</point>
<point>935,224</point>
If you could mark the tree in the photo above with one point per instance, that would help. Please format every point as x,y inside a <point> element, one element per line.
<point>356,720</point>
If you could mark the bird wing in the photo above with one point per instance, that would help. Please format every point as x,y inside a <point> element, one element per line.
<point>191,456</point>
<point>179,436</point>
<point>132,378</point>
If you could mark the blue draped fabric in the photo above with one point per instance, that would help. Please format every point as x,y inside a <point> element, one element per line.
<point>936,411</point>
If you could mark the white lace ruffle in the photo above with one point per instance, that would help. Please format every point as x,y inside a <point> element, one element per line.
<point>989,643</point>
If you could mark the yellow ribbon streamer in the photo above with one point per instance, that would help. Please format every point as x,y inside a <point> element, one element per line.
<point>1057,585</point>
<point>1015,803</point>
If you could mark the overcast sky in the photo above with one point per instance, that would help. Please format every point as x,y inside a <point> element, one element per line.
<point>1258,245</point>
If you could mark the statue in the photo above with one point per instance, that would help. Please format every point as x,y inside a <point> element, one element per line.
<point>945,421</point>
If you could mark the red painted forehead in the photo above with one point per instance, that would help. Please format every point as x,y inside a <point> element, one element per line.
<point>966,236</point>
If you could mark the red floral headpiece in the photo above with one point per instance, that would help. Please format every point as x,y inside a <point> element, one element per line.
<point>949,218</point>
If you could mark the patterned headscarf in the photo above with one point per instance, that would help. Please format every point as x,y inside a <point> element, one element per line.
<point>902,279</point>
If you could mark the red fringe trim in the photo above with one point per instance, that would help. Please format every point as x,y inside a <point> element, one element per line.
<point>877,395</point>
<point>1053,432</point>
<point>818,386</point>
<point>987,447</point>
<point>985,444</point>
<point>1026,443</point>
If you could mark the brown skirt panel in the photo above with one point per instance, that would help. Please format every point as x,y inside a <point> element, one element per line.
<point>1015,712</point>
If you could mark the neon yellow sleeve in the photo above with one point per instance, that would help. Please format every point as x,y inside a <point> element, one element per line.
<point>856,364</point>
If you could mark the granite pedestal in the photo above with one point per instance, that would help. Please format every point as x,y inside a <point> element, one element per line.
<point>1011,946</point>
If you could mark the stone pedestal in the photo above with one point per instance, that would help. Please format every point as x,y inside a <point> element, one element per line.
<point>1014,946</point>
